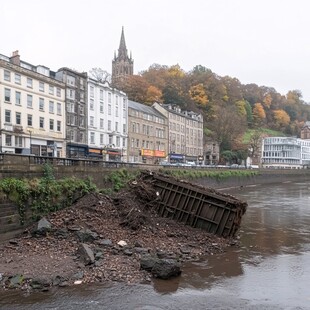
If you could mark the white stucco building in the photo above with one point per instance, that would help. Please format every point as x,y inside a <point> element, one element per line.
<point>107,122</point>
<point>32,109</point>
<point>285,152</point>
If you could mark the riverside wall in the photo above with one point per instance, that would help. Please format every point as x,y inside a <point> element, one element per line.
<point>17,166</point>
<point>31,167</point>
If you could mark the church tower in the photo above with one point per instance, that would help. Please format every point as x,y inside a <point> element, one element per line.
<point>122,64</point>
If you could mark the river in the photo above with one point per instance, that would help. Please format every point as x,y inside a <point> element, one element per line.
<point>270,269</point>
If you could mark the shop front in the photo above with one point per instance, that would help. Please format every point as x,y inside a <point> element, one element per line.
<point>110,154</point>
<point>152,157</point>
<point>77,150</point>
<point>175,158</point>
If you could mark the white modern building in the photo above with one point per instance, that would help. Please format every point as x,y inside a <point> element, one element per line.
<point>107,122</point>
<point>285,152</point>
<point>32,109</point>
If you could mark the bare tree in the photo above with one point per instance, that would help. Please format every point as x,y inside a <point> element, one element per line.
<point>227,126</point>
<point>100,75</point>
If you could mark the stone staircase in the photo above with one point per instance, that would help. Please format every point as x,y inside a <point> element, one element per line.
<point>9,217</point>
<point>10,225</point>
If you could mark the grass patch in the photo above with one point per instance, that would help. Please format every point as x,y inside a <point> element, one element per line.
<point>251,132</point>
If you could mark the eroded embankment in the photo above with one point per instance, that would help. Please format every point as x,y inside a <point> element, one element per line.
<point>102,239</point>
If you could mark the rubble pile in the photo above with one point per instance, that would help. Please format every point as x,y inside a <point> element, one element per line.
<point>102,239</point>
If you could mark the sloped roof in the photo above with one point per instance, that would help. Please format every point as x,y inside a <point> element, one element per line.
<point>144,108</point>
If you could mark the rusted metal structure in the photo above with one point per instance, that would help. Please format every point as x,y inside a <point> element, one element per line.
<point>197,206</point>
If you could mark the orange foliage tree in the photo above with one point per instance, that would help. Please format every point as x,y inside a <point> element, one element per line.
<point>281,119</point>
<point>153,94</point>
<point>259,114</point>
<point>198,95</point>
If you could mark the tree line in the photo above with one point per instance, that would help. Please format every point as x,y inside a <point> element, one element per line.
<point>230,108</point>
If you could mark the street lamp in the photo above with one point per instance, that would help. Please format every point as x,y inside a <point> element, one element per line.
<point>30,140</point>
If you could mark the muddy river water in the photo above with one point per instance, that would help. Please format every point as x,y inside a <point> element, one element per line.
<point>270,270</point>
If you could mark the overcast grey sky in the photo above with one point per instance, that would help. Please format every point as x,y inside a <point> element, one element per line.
<point>265,42</point>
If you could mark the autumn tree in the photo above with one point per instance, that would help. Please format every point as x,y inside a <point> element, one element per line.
<point>259,114</point>
<point>198,95</point>
<point>135,87</point>
<point>241,107</point>
<point>294,97</point>
<point>153,94</point>
<point>267,101</point>
<point>156,75</point>
<point>281,119</point>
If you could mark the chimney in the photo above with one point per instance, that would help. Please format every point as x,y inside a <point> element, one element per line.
<point>15,59</point>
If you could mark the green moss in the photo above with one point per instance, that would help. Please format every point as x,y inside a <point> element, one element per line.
<point>44,195</point>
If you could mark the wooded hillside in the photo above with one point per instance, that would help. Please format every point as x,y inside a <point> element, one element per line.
<point>229,108</point>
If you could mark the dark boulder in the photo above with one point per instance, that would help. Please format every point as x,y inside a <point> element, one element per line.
<point>166,268</point>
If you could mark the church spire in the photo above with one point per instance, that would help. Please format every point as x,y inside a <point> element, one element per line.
<point>122,65</point>
<point>122,51</point>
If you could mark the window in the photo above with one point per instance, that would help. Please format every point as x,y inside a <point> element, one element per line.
<point>101,107</point>
<point>109,109</point>
<point>91,104</point>
<point>116,100</point>
<point>70,107</point>
<point>51,107</point>
<point>29,101</point>
<point>91,91</point>
<point>8,116</point>
<point>124,128</point>
<point>71,93</point>
<point>101,138</point>
<point>92,138</point>
<point>51,90</point>
<point>109,125</point>
<point>18,141</point>
<point>51,124</point>
<point>29,120</point>
<point>17,78</point>
<point>7,95</point>
<point>17,97</point>
<point>124,103</point>
<point>58,92</point>
<point>58,125</point>
<point>41,104</point>
<point>7,75</point>
<point>70,80</point>
<point>101,94</point>
<point>29,82</point>
<point>110,139</point>
<point>59,108</point>
<point>82,108</point>
<point>41,122</point>
<point>41,86</point>
<point>109,97</point>
<point>101,123</point>
<point>8,140</point>
<point>116,126</point>
<point>18,118</point>
<point>116,111</point>
<point>91,121</point>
